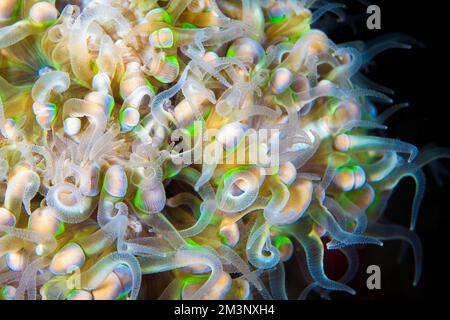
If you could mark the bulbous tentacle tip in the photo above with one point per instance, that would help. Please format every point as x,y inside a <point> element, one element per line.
<point>162,38</point>
<point>7,8</point>
<point>45,114</point>
<point>7,218</point>
<point>230,234</point>
<point>72,126</point>
<point>246,49</point>
<point>8,292</point>
<point>68,259</point>
<point>109,289</point>
<point>287,173</point>
<point>150,200</point>
<point>80,295</point>
<point>42,13</point>
<point>44,220</point>
<point>129,118</point>
<point>16,261</point>
<point>281,79</point>
<point>116,181</point>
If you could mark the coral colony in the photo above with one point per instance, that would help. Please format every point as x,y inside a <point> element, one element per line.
<point>203,142</point>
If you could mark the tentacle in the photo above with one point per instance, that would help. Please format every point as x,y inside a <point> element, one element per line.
<point>314,258</point>
<point>325,219</point>
<point>277,282</point>
<point>393,232</point>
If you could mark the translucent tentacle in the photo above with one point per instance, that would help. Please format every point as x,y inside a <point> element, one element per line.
<point>393,232</point>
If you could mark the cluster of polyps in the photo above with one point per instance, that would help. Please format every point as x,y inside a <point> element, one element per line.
<point>94,196</point>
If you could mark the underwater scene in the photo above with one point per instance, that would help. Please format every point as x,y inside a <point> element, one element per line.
<point>213,150</point>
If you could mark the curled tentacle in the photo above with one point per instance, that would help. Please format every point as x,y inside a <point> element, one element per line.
<point>71,205</point>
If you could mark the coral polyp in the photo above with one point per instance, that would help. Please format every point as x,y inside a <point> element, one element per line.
<point>199,141</point>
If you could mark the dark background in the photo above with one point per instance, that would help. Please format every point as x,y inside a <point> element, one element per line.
<point>418,76</point>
